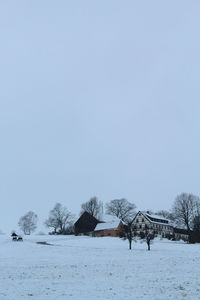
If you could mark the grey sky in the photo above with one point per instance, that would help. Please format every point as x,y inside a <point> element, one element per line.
<point>97,98</point>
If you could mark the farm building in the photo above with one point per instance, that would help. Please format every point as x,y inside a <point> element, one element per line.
<point>106,226</point>
<point>158,225</point>
<point>85,224</point>
<point>109,225</point>
<point>113,227</point>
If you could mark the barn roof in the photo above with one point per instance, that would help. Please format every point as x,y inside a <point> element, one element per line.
<point>85,223</point>
<point>107,225</point>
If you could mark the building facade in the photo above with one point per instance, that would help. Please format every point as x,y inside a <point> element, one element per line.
<point>86,223</point>
<point>106,226</point>
<point>153,223</point>
<point>115,229</point>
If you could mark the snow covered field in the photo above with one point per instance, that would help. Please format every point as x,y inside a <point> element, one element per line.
<point>97,268</point>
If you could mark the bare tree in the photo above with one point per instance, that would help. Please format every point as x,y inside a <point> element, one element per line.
<point>147,235</point>
<point>59,218</point>
<point>28,222</point>
<point>52,222</point>
<point>94,207</point>
<point>185,208</point>
<point>122,209</point>
<point>130,234</point>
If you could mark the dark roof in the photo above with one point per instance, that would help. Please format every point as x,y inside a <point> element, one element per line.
<point>86,223</point>
<point>14,234</point>
<point>155,218</point>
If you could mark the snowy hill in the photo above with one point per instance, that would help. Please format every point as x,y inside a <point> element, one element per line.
<point>97,268</point>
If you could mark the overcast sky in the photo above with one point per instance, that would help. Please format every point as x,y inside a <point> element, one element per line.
<point>97,98</point>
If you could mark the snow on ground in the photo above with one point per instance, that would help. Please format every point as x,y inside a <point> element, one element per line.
<point>97,268</point>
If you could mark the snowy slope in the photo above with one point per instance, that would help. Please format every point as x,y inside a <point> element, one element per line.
<point>97,268</point>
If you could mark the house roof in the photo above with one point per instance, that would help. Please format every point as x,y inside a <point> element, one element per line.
<point>155,219</point>
<point>107,225</point>
<point>88,223</point>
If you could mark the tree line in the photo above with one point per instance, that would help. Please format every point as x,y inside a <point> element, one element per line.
<point>184,213</point>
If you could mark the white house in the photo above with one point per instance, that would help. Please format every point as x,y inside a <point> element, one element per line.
<point>155,224</point>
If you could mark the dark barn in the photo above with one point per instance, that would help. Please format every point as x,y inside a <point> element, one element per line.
<point>86,223</point>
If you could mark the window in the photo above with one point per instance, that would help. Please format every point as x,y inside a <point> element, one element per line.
<point>142,219</point>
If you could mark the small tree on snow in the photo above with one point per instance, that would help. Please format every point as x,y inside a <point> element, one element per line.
<point>130,234</point>
<point>147,235</point>
<point>28,222</point>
